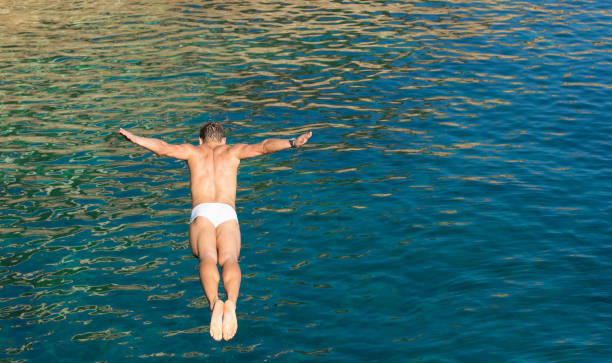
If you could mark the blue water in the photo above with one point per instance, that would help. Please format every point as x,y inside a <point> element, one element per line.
<point>452,205</point>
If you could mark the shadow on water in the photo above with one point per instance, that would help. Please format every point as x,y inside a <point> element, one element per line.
<point>451,205</point>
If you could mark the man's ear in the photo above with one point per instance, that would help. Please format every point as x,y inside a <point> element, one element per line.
<point>223,140</point>
<point>201,142</point>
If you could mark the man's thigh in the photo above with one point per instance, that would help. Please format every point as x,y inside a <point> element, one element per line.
<point>202,238</point>
<point>228,240</point>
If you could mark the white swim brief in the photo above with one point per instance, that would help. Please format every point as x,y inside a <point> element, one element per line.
<point>216,213</point>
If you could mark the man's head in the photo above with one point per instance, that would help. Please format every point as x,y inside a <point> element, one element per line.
<point>212,132</point>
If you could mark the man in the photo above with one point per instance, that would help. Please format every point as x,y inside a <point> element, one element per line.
<point>214,234</point>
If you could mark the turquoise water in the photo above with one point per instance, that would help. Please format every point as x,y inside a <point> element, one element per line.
<point>453,203</point>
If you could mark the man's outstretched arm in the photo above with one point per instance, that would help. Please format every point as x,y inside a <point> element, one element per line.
<point>159,147</point>
<point>270,146</point>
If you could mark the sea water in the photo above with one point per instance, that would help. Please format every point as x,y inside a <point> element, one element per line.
<point>453,203</point>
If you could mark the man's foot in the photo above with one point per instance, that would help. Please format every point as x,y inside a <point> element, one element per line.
<point>230,324</point>
<point>216,321</point>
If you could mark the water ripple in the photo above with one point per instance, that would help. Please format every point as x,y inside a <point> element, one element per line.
<point>453,195</point>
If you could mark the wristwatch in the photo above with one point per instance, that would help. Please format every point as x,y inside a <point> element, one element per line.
<point>292,143</point>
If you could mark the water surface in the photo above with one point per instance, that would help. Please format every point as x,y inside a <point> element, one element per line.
<point>453,203</point>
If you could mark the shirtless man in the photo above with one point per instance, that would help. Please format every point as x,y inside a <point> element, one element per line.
<point>214,234</point>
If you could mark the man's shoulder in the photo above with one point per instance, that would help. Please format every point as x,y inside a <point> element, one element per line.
<point>229,149</point>
<point>234,147</point>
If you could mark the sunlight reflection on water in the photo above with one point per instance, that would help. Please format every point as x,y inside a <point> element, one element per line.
<point>452,203</point>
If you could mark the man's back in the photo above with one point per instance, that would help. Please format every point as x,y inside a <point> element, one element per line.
<point>213,172</point>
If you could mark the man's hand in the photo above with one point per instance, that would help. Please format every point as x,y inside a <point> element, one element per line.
<point>302,139</point>
<point>128,135</point>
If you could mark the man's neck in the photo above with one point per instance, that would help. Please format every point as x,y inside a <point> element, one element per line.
<point>212,144</point>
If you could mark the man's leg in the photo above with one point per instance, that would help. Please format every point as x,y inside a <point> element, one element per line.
<point>228,245</point>
<point>203,242</point>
